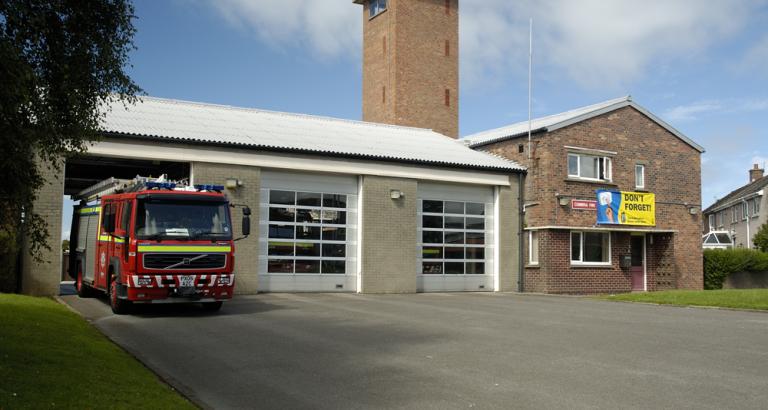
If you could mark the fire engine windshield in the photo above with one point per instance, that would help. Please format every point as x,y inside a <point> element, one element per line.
<point>182,220</point>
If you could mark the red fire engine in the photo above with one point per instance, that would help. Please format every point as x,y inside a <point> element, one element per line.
<point>154,241</point>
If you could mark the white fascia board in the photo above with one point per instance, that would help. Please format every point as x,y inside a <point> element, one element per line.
<point>733,202</point>
<point>180,153</point>
<point>601,228</point>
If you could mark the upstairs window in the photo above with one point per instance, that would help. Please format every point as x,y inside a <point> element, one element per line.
<point>589,167</point>
<point>734,214</point>
<point>639,176</point>
<point>756,206</point>
<point>376,6</point>
<point>712,222</point>
<point>744,210</point>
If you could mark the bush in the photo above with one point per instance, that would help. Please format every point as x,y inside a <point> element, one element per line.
<point>761,238</point>
<point>719,263</point>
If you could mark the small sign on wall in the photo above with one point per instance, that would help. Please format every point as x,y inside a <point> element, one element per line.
<point>583,204</point>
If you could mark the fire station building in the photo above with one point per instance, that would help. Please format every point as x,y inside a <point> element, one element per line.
<point>612,200</point>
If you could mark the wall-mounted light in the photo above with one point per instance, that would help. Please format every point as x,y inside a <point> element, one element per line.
<point>693,210</point>
<point>396,194</point>
<point>233,183</point>
<point>564,201</point>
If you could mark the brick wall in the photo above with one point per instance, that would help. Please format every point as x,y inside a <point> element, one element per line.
<point>673,173</point>
<point>42,278</point>
<point>246,250</point>
<point>389,236</point>
<point>404,51</point>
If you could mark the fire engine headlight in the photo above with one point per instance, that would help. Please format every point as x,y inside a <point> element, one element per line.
<point>144,281</point>
<point>224,280</point>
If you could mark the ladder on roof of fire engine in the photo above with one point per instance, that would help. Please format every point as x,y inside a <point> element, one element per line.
<point>114,185</point>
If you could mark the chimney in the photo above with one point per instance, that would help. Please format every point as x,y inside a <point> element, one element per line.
<point>755,173</point>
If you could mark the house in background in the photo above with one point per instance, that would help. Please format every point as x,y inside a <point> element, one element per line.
<point>740,212</point>
<point>620,152</point>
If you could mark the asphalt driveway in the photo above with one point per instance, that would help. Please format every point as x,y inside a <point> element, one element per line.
<point>452,350</point>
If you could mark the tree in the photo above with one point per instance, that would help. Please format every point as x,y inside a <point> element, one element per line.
<point>761,238</point>
<point>60,61</point>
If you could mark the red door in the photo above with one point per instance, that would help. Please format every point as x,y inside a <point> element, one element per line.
<point>637,249</point>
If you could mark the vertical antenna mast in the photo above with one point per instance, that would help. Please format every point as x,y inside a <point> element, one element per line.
<point>530,83</point>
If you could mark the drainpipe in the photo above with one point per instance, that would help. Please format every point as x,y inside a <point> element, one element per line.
<point>746,208</point>
<point>521,208</point>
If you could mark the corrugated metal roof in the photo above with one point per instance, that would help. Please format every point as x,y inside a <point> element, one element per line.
<point>564,119</point>
<point>219,124</point>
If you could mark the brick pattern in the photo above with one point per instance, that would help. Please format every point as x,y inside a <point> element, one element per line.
<point>509,225</point>
<point>246,250</point>
<point>673,173</point>
<point>389,236</point>
<point>414,66</point>
<point>43,278</point>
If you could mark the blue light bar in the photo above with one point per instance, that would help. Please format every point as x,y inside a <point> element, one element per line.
<point>161,185</point>
<point>209,187</point>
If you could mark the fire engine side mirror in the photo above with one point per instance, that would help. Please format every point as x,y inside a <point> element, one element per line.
<point>246,221</point>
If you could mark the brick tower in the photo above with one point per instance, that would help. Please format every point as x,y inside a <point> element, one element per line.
<point>411,63</point>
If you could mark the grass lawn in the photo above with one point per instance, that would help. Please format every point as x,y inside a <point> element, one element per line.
<point>51,357</point>
<point>729,298</point>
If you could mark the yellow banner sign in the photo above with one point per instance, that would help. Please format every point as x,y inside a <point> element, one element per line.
<point>626,208</point>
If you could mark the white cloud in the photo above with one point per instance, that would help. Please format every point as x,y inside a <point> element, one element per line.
<point>323,31</point>
<point>593,42</point>
<point>690,111</point>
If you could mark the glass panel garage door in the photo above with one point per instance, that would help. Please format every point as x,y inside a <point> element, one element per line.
<point>455,238</point>
<point>308,233</point>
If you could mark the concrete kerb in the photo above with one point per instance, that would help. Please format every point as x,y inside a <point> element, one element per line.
<point>175,385</point>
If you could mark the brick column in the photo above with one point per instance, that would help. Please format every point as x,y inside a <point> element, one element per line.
<point>509,241</point>
<point>42,278</point>
<point>246,250</point>
<point>389,236</point>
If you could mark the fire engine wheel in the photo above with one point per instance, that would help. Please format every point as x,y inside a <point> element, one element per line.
<point>83,290</point>
<point>119,306</point>
<point>212,306</point>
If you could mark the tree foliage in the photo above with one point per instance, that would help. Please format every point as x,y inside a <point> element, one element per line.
<point>761,238</point>
<point>60,61</point>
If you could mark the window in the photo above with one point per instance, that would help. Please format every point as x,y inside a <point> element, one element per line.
<point>520,148</point>
<point>744,210</point>
<point>720,219</point>
<point>125,218</point>
<point>589,167</point>
<point>734,214</point>
<point>533,247</point>
<point>376,6</point>
<point>590,248</point>
<point>711,222</point>
<point>639,176</point>
<point>453,238</point>
<point>756,206</point>
<point>307,233</point>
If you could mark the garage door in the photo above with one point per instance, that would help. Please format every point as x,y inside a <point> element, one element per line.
<point>455,238</point>
<point>308,233</point>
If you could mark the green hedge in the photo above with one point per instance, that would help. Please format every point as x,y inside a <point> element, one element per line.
<point>719,263</point>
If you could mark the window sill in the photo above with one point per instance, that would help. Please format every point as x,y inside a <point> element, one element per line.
<point>592,265</point>
<point>642,189</point>
<point>533,266</point>
<point>377,14</point>
<point>590,181</point>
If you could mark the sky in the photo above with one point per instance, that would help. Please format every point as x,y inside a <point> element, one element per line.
<point>700,66</point>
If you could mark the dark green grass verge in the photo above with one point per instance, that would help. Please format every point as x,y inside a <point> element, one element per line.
<point>51,358</point>
<point>727,298</point>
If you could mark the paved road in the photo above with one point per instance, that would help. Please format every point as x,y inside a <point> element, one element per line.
<point>443,351</point>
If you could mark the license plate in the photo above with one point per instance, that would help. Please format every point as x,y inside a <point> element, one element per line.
<point>186,281</point>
